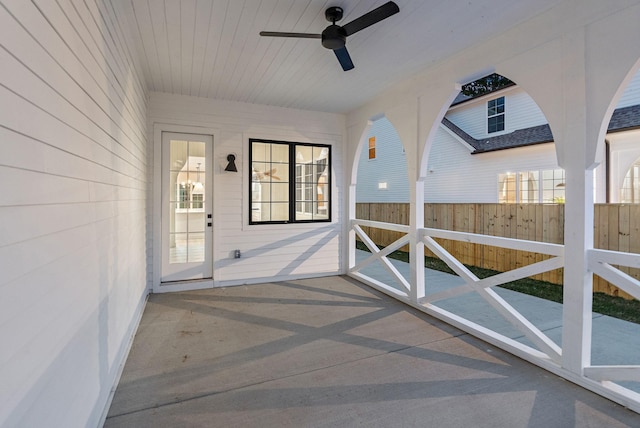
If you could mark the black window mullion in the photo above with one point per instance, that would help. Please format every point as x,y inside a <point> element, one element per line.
<point>292,182</point>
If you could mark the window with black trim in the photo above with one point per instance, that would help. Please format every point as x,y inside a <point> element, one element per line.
<point>290,182</point>
<point>495,115</point>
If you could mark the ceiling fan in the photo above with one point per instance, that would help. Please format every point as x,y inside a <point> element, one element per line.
<point>334,37</point>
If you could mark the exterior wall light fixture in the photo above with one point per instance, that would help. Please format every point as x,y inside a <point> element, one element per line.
<point>231,166</point>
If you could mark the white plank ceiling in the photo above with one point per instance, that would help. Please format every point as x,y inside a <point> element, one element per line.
<point>211,48</point>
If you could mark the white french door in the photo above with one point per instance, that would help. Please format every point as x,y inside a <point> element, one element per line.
<point>187,207</point>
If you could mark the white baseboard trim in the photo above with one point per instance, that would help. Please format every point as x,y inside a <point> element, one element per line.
<point>123,354</point>
<point>209,283</point>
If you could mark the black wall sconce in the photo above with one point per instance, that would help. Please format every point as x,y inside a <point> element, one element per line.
<point>232,164</point>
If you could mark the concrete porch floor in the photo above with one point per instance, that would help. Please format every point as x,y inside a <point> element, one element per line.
<point>331,352</point>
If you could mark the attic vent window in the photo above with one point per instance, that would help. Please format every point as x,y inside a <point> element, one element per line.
<point>495,115</point>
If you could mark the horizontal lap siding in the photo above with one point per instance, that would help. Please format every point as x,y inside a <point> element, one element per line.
<point>631,93</point>
<point>268,251</point>
<point>389,166</point>
<point>521,111</point>
<point>73,209</point>
<point>453,175</point>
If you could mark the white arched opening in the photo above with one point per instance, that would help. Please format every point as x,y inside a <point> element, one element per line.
<point>382,166</point>
<point>488,162</point>
<point>379,178</point>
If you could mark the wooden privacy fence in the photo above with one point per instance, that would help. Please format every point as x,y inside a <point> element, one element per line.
<point>616,227</point>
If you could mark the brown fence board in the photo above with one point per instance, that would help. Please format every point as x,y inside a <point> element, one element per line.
<point>616,227</point>
<point>623,232</point>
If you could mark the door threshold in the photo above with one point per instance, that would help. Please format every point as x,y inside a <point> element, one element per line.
<point>184,285</point>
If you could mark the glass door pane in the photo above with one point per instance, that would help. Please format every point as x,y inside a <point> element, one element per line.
<point>187,201</point>
<point>187,225</point>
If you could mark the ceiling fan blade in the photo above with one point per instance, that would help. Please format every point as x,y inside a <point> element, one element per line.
<point>299,35</point>
<point>370,18</point>
<point>344,58</point>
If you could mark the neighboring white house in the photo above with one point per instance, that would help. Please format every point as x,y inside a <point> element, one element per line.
<point>499,148</point>
<point>382,172</point>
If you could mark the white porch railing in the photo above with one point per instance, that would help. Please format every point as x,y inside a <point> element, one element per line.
<point>601,263</point>
<point>546,347</point>
<point>548,354</point>
<point>381,255</point>
<point>484,286</point>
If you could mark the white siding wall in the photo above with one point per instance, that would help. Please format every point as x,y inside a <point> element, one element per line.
<point>74,170</point>
<point>389,166</point>
<point>520,112</point>
<point>631,95</point>
<point>454,175</point>
<point>269,252</point>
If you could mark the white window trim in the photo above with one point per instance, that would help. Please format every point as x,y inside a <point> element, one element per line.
<point>487,117</point>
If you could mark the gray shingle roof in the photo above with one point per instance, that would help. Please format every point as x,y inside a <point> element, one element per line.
<point>520,138</point>
<point>623,119</point>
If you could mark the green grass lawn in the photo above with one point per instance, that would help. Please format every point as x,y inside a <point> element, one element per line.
<point>618,307</point>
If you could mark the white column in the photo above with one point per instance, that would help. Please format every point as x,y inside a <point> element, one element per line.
<point>355,136</point>
<point>576,158</point>
<point>405,119</point>
<point>416,221</point>
<point>578,281</point>
<point>351,234</point>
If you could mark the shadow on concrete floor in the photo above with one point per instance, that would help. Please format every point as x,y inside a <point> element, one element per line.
<point>331,352</point>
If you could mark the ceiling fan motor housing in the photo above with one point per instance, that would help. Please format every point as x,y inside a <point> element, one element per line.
<point>334,37</point>
<point>333,14</point>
